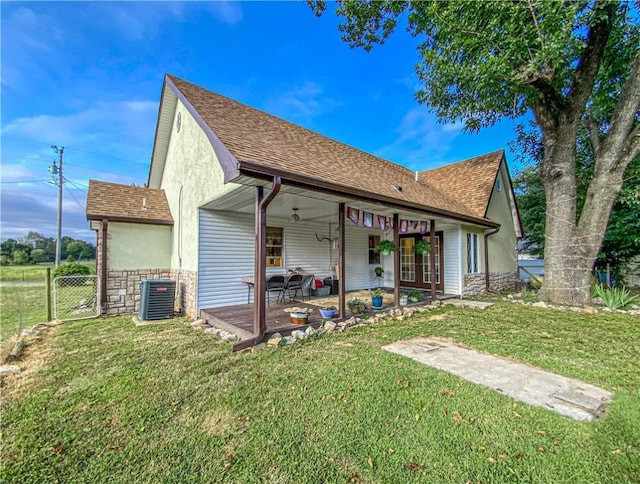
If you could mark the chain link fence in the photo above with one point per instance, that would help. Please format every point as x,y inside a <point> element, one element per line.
<point>75,297</point>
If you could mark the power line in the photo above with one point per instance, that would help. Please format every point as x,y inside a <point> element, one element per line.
<point>108,156</point>
<point>77,149</point>
<point>78,186</point>
<point>25,181</point>
<point>74,198</point>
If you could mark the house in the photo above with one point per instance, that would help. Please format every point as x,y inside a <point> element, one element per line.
<point>234,191</point>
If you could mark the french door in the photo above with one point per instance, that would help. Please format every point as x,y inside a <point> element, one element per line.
<point>415,269</point>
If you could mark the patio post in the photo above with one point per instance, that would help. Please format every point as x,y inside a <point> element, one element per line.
<point>341,250</point>
<point>260,274</point>
<point>432,257</point>
<point>396,259</point>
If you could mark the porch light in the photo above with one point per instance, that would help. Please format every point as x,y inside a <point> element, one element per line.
<point>295,217</point>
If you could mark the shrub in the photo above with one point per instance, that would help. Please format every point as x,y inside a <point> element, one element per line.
<point>357,305</point>
<point>71,269</point>
<point>613,297</point>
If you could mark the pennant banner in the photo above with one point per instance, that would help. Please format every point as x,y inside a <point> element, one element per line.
<point>353,215</point>
<point>367,219</point>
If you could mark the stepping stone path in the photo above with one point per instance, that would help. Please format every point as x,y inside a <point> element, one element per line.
<point>566,396</point>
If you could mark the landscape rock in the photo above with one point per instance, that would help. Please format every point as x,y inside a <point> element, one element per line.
<point>288,340</point>
<point>6,370</point>
<point>299,334</point>
<point>30,332</point>
<point>258,347</point>
<point>330,325</point>
<point>210,330</point>
<point>310,331</point>
<point>226,336</point>
<point>540,304</point>
<point>274,340</point>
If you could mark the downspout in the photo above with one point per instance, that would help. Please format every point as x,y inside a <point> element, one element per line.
<point>260,278</point>
<point>486,260</point>
<point>103,269</point>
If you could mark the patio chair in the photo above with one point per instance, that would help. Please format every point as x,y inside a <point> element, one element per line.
<point>294,284</point>
<point>306,284</point>
<point>275,284</point>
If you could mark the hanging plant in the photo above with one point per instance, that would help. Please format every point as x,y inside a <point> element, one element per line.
<point>385,246</point>
<point>422,247</point>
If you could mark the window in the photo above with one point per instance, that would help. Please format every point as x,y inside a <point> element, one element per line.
<point>472,253</point>
<point>374,256</point>
<point>498,184</point>
<point>274,247</point>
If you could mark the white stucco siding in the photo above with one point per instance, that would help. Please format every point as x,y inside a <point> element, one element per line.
<point>192,176</point>
<point>138,246</point>
<point>503,255</point>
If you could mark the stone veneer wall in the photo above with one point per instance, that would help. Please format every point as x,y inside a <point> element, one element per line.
<point>475,283</point>
<point>123,289</point>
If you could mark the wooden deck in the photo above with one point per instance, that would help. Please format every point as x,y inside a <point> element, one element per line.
<point>238,319</point>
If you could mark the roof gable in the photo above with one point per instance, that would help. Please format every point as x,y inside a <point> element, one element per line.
<point>127,203</point>
<point>470,181</point>
<point>254,138</point>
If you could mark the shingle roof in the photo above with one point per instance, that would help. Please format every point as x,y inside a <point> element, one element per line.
<point>469,181</point>
<point>125,203</point>
<point>255,136</point>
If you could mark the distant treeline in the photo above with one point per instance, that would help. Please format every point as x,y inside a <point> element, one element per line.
<point>35,248</point>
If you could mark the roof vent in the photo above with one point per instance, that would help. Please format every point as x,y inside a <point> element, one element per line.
<point>398,188</point>
<point>144,205</point>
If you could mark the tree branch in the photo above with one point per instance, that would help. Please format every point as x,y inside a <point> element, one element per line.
<point>632,149</point>
<point>589,62</point>
<point>594,134</point>
<point>624,113</point>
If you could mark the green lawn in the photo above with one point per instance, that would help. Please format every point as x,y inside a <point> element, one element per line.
<point>21,307</point>
<point>111,402</point>
<point>32,273</point>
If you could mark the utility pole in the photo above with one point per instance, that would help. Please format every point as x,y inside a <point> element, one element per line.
<point>57,170</point>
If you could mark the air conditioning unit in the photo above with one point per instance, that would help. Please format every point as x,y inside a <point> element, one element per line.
<point>157,298</point>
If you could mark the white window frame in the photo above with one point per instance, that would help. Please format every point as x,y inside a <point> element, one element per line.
<point>473,253</point>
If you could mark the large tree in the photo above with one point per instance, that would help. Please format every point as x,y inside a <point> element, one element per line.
<point>566,63</point>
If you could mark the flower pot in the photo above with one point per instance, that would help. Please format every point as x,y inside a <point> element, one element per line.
<point>327,313</point>
<point>299,318</point>
<point>376,302</point>
<point>413,299</point>
<point>386,252</point>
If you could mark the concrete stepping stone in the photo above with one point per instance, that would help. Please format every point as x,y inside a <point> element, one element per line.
<point>566,396</point>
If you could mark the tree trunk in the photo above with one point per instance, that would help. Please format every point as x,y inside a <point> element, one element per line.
<point>567,262</point>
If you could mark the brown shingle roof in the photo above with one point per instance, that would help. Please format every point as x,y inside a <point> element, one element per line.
<point>255,136</point>
<point>124,203</point>
<point>469,181</point>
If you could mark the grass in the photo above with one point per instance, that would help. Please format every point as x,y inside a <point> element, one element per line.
<point>31,273</point>
<point>103,400</point>
<point>20,307</point>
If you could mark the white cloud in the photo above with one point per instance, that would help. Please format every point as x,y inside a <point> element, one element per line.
<point>128,122</point>
<point>227,12</point>
<point>304,101</point>
<point>421,142</point>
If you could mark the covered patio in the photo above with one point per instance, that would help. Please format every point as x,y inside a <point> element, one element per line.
<point>239,318</point>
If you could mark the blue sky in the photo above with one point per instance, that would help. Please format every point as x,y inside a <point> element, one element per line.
<point>88,76</point>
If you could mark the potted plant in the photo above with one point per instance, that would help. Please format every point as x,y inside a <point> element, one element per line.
<point>415,296</point>
<point>356,305</point>
<point>385,246</point>
<point>299,315</point>
<point>378,271</point>
<point>422,246</point>
<point>328,312</point>
<point>376,298</point>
